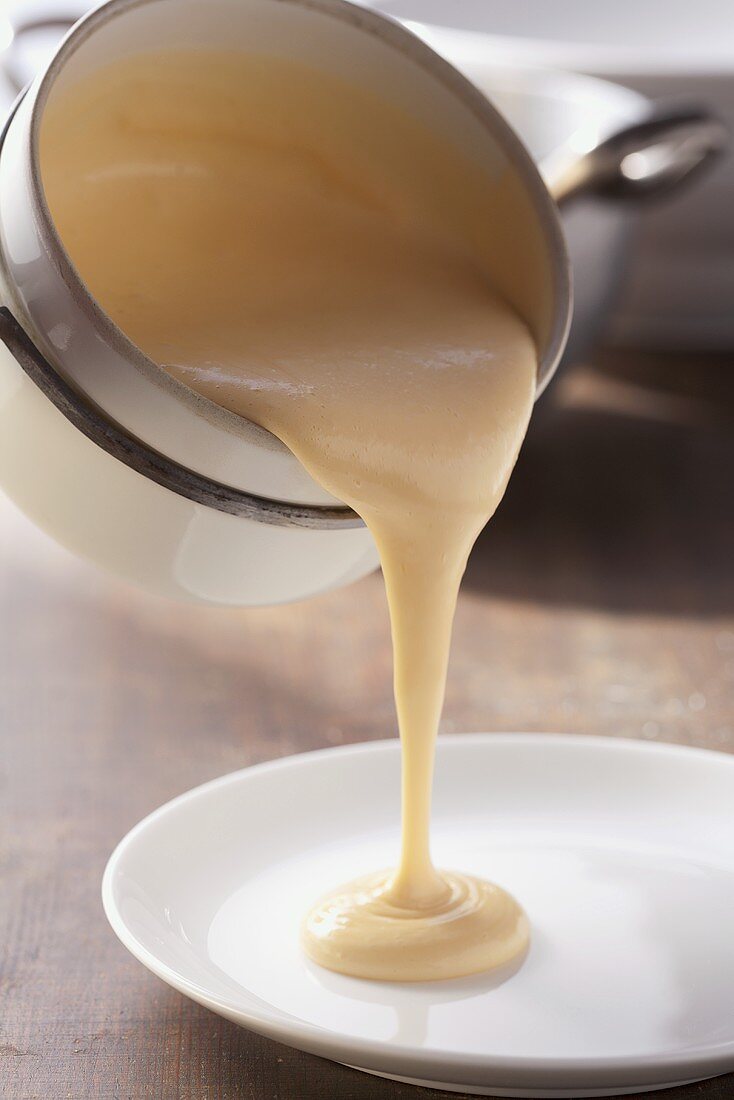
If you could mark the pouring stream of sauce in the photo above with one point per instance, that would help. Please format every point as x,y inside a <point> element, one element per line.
<point>228,219</point>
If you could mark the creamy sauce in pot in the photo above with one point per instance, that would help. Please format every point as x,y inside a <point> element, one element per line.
<point>275,241</point>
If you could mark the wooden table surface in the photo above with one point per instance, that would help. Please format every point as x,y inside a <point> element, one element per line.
<point>600,600</point>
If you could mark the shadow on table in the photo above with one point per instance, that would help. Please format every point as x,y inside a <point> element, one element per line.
<point>622,497</point>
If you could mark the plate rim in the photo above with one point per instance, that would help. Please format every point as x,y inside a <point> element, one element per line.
<point>510,1071</point>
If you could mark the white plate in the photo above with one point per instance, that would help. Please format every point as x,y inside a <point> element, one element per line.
<point>621,852</point>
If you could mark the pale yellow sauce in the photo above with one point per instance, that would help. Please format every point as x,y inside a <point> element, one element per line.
<point>273,240</point>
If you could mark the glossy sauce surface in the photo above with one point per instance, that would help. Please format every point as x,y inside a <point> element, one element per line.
<point>274,240</point>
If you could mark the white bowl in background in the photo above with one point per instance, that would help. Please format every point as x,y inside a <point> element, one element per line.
<point>558,114</point>
<point>680,290</point>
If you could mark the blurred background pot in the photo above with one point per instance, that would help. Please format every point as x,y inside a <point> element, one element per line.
<point>649,286</point>
<point>679,290</point>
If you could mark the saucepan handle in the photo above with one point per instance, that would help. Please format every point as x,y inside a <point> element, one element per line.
<point>652,157</point>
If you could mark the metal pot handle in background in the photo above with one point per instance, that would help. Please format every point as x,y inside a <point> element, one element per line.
<point>650,158</point>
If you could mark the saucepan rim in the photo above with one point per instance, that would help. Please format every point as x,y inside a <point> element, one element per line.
<point>396,36</point>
